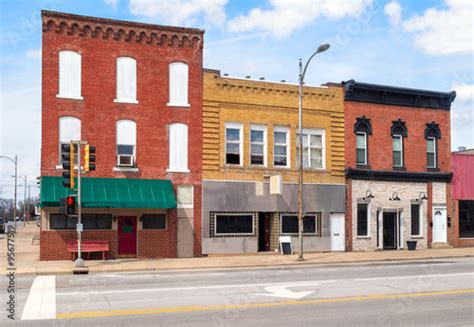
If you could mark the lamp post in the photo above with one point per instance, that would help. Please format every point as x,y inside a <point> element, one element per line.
<point>302,72</point>
<point>15,162</point>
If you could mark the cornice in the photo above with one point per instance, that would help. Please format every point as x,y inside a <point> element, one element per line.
<point>383,175</point>
<point>121,31</point>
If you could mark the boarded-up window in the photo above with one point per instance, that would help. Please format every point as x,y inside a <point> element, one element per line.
<point>126,79</point>
<point>178,79</point>
<point>178,147</point>
<point>69,74</point>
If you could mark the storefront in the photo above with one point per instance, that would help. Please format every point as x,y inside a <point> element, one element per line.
<point>136,216</point>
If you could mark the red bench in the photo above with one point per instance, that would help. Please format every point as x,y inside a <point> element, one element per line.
<point>88,246</point>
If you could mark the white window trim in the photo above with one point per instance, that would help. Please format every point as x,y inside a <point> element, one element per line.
<point>401,149</point>
<point>368,221</point>
<point>176,104</point>
<point>282,129</point>
<point>297,233</point>
<point>241,142</point>
<point>420,217</point>
<point>126,169</point>
<point>178,169</point>
<point>126,101</point>
<point>70,97</point>
<point>185,205</point>
<point>120,168</point>
<point>319,132</point>
<point>262,128</point>
<point>435,154</point>
<point>233,214</point>
<point>365,148</point>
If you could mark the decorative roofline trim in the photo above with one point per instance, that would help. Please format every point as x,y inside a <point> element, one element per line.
<point>108,29</point>
<point>399,96</point>
<point>401,176</point>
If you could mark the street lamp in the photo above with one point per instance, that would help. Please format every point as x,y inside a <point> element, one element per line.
<point>15,162</point>
<point>302,73</point>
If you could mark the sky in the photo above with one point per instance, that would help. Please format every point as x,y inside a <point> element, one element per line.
<point>427,44</point>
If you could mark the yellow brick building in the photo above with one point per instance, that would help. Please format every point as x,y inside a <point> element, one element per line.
<point>250,132</point>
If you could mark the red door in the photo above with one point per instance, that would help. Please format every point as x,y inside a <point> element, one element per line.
<point>127,235</point>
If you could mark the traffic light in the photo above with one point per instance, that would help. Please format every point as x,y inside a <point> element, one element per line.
<point>67,156</point>
<point>70,205</point>
<point>89,157</point>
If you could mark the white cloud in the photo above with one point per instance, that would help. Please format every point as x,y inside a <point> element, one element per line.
<point>464,93</point>
<point>111,3</point>
<point>444,32</point>
<point>287,16</point>
<point>33,54</point>
<point>177,12</point>
<point>393,10</point>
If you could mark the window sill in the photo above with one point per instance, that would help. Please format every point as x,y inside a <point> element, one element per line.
<point>60,167</point>
<point>359,166</point>
<point>184,105</point>
<point>401,168</point>
<point>69,97</point>
<point>127,169</point>
<point>416,237</point>
<point>170,170</point>
<point>363,237</point>
<point>126,101</point>
<point>432,169</point>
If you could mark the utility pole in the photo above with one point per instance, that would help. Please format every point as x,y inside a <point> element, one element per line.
<point>24,203</point>
<point>15,162</point>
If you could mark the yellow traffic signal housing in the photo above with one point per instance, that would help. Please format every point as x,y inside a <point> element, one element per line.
<point>89,158</point>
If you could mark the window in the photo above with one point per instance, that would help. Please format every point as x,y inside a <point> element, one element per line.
<point>397,150</point>
<point>362,129</point>
<point>415,220</point>
<point>69,75</point>
<point>311,224</point>
<point>466,218</point>
<point>126,143</point>
<point>178,75</point>
<point>89,221</point>
<point>156,221</point>
<point>178,148</point>
<point>69,130</point>
<point>237,224</point>
<point>313,149</point>
<point>233,144</point>
<point>281,141</point>
<point>362,219</point>
<point>431,152</point>
<point>185,196</point>
<point>361,148</point>
<point>97,221</point>
<point>126,80</point>
<point>258,145</point>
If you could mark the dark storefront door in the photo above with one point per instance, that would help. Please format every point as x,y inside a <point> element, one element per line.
<point>263,232</point>
<point>127,236</point>
<point>389,231</point>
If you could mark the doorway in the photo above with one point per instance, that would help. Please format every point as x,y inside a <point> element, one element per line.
<point>127,236</point>
<point>390,234</point>
<point>263,231</point>
<point>338,238</point>
<point>439,225</point>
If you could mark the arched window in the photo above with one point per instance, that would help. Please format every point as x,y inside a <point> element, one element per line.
<point>178,147</point>
<point>362,129</point>
<point>398,132</point>
<point>432,134</point>
<point>69,130</point>
<point>126,80</point>
<point>69,75</point>
<point>178,87</point>
<point>126,143</point>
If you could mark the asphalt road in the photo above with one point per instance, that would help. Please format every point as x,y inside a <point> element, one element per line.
<point>435,292</point>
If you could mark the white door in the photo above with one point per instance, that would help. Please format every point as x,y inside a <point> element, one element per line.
<point>439,225</point>
<point>338,239</point>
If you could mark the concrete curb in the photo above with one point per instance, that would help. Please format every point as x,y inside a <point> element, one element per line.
<point>286,264</point>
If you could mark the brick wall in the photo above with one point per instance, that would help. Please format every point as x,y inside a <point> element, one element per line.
<point>54,243</point>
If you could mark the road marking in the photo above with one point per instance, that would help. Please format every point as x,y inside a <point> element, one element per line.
<point>41,302</point>
<point>184,309</point>
<point>191,288</point>
<point>283,291</point>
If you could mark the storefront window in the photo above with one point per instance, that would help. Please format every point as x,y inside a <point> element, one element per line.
<point>157,221</point>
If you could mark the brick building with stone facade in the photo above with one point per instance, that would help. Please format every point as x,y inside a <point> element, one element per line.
<point>249,138</point>
<point>135,92</point>
<point>398,167</point>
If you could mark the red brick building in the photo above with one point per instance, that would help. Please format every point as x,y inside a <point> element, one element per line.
<point>398,167</point>
<point>135,92</point>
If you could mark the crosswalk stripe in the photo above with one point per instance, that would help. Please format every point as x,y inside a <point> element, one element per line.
<point>41,302</point>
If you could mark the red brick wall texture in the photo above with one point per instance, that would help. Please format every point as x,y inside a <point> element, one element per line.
<point>100,42</point>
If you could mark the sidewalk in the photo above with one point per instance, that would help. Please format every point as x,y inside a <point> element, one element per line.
<point>27,255</point>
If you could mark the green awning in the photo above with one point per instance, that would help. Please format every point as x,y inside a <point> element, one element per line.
<point>111,193</point>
